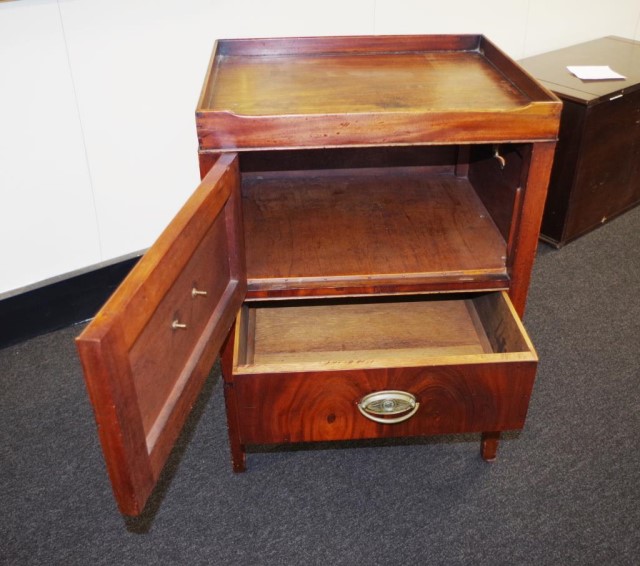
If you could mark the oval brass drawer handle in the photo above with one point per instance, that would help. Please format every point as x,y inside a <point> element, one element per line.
<point>387,403</point>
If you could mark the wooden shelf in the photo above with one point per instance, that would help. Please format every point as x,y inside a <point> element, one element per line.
<point>367,227</point>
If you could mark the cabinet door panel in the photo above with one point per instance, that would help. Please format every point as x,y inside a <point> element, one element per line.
<point>148,351</point>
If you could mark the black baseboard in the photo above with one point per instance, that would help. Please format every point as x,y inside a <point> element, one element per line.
<point>59,304</point>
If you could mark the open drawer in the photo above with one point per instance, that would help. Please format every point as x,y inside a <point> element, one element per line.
<point>383,367</point>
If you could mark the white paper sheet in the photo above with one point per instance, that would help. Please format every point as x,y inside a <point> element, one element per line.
<point>594,72</point>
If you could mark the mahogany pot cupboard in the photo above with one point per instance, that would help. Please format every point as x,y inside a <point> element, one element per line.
<point>359,251</point>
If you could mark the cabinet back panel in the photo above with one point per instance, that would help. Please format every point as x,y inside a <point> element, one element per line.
<point>442,157</point>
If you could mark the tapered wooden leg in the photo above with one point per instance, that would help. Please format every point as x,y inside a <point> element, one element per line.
<point>238,454</point>
<point>489,445</point>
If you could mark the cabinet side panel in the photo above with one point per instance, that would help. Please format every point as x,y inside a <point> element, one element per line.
<point>564,170</point>
<point>206,160</point>
<point>526,242</point>
<point>495,185</point>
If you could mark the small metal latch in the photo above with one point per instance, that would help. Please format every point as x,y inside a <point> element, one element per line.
<point>501,160</point>
<point>196,292</point>
<point>177,324</point>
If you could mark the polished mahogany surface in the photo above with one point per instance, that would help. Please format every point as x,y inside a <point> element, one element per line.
<point>148,351</point>
<point>319,92</point>
<point>317,229</point>
<point>300,368</point>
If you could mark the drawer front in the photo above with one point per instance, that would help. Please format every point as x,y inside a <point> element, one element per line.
<point>322,406</point>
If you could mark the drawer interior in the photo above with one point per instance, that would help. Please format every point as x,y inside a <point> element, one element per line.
<point>381,332</point>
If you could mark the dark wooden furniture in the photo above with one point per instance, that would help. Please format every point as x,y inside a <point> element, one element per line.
<point>359,250</point>
<point>596,174</point>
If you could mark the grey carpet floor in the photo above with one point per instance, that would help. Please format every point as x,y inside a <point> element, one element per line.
<point>563,491</point>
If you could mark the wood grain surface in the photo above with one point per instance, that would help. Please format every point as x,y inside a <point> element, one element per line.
<point>328,92</point>
<point>143,376</point>
<point>356,227</point>
<point>378,332</point>
<point>321,406</point>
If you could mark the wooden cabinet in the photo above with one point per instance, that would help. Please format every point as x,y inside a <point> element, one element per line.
<point>359,251</point>
<point>595,176</point>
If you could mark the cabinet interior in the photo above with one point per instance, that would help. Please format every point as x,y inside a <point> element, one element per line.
<point>425,217</point>
<point>356,333</point>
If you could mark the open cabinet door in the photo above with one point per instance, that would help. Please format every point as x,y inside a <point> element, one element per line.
<point>148,351</point>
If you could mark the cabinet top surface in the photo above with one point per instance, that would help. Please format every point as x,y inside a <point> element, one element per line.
<point>622,55</point>
<point>381,80</point>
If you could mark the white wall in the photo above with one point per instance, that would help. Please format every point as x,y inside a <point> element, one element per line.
<point>97,97</point>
